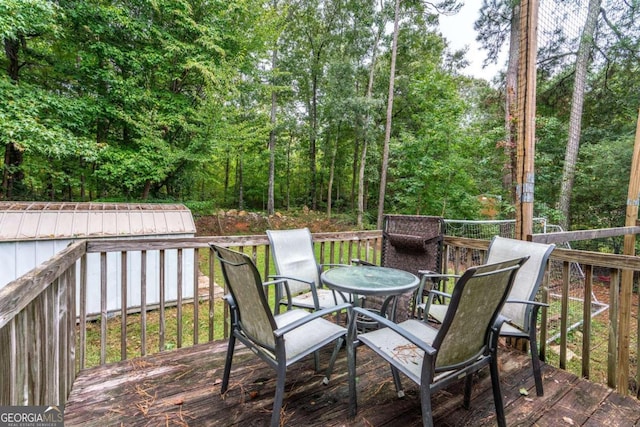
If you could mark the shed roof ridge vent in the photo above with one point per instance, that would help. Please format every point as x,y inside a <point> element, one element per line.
<point>73,220</point>
<point>128,218</point>
<point>38,229</point>
<point>20,231</point>
<point>56,223</point>
<point>2,219</point>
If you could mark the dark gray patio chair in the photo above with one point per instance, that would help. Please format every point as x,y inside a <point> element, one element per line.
<point>411,243</point>
<point>521,309</point>
<point>434,357</point>
<point>279,340</point>
<point>295,262</point>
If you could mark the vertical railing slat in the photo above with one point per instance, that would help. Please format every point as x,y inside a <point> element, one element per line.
<point>196,296</point>
<point>543,328</point>
<point>612,350</point>
<point>162,320</point>
<point>82,304</point>
<point>123,305</point>
<point>179,301</point>
<point>143,303</point>
<point>103,308</point>
<point>211,296</point>
<point>564,313</point>
<point>586,316</point>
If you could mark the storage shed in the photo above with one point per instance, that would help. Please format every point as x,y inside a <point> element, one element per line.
<point>33,232</point>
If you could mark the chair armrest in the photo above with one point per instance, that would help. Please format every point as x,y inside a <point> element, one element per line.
<point>440,293</point>
<point>334,265</point>
<point>280,280</point>
<point>430,296</point>
<point>229,299</point>
<point>233,308</point>
<point>297,279</point>
<point>358,261</point>
<point>495,330</point>
<point>393,326</point>
<point>435,275</point>
<point>311,316</point>
<point>528,302</point>
<point>273,282</point>
<point>499,321</point>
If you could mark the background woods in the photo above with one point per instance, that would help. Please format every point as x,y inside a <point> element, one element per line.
<point>280,104</point>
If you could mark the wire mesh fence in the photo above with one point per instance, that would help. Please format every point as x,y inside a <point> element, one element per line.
<point>487,229</point>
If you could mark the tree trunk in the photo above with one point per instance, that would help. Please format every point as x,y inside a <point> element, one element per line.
<point>272,140</point>
<point>365,139</point>
<point>288,174</point>
<point>239,182</point>
<point>227,172</point>
<point>387,131</point>
<point>146,190</point>
<point>577,101</point>
<point>332,168</point>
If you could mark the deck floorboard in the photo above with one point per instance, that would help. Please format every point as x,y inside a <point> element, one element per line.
<point>182,388</point>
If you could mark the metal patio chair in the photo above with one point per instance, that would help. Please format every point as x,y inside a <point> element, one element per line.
<point>411,243</point>
<point>434,357</point>
<point>296,264</point>
<point>521,309</point>
<point>279,340</point>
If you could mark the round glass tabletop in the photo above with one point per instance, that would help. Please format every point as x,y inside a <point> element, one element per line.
<point>370,280</point>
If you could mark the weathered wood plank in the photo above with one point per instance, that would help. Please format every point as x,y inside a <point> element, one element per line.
<point>577,405</point>
<point>572,236</point>
<point>204,242</point>
<point>181,387</point>
<point>526,411</point>
<point>616,410</point>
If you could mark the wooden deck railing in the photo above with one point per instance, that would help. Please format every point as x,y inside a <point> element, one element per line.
<point>37,332</point>
<point>568,288</point>
<point>44,343</point>
<point>47,333</point>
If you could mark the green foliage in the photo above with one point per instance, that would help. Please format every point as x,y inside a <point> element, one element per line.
<point>171,99</point>
<point>602,182</point>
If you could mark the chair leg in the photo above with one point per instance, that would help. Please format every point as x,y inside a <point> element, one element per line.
<point>425,404</point>
<point>332,361</point>
<point>468,385</point>
<point>396,381</point>
<point>535,363</point>
<point>279,397</point>
<point>351,373</point>
<point>497,392</point>
<point>316,360</point>
<point>227,363</point>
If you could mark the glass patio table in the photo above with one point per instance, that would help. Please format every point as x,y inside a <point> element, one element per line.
<point>372,280</point>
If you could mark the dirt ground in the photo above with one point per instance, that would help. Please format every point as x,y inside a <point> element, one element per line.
<point>234,222</point>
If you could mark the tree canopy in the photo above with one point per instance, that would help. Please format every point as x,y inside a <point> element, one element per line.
<point>237,102</point>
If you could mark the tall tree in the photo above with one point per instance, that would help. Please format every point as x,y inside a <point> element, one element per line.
<point>425,10</point>
<point>272,135</point>
<point>499,23</point>
<point>307,45</point>
<point>577,102</point>
<point>387,129</point>
<point>366,134</point>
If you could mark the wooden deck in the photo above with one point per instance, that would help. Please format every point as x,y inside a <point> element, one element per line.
<point>182,387</point>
